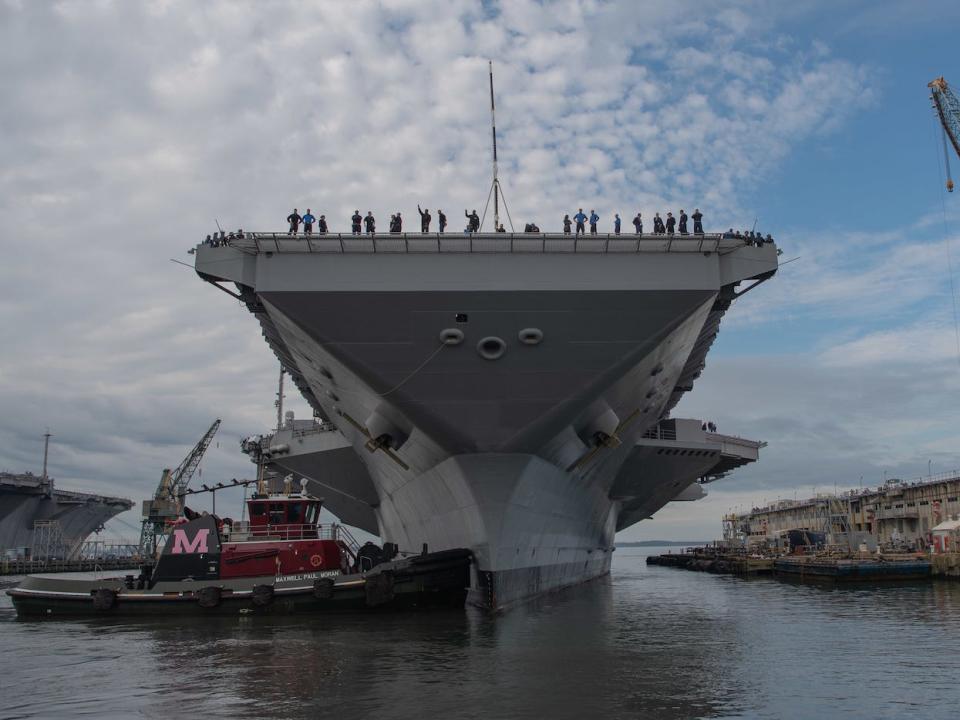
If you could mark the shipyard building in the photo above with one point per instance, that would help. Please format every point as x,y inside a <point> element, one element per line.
<point>897,514</point>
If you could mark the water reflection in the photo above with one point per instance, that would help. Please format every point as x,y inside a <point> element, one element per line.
<point>646,642</point>
<point>614,653</point>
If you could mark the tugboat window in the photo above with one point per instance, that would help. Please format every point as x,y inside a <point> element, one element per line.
<point>257,509</point>
<point>293,513</point>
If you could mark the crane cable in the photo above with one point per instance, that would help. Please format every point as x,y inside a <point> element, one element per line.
<point>946,235</point>
<point>946,160</point>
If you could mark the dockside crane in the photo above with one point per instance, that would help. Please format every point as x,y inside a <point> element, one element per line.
<point>947,105</point>
<point>165,505</point>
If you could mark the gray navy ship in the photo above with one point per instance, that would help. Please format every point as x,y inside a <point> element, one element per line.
<point>37,518</point>
<point>510,394</point>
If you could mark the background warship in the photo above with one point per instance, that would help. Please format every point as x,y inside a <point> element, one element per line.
<point>39,521</point>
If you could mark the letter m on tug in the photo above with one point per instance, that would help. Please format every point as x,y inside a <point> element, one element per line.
<point>183,545</point>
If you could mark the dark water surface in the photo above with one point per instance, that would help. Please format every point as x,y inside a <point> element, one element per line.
<point>645,642</point>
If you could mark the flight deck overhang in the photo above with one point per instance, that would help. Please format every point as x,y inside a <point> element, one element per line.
<point>428,262</point>
<point>673,461</point>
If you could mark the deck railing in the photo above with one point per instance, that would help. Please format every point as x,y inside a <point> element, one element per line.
<point>244,531</point>
<point>519,243</point>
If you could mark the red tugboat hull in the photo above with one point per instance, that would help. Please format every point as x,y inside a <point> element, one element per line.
<point>430,580</point>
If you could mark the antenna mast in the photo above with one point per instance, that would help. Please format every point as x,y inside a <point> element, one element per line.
<point>279,402</point>
<point>495,190</point>
<point>46,450</point>
<point>496,181</point>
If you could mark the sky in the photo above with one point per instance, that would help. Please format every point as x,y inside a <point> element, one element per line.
<point>129,129</point>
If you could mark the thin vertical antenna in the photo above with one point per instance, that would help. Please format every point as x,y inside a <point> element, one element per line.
<point>496,181</point>
<point>279,403</point>
<point>46,450</point>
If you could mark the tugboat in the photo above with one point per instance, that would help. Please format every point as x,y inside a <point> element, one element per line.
<point>279,561</point>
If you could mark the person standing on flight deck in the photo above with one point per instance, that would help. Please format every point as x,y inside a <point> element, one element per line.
<point>580,219</point>
<point>682,227</point>
<point>308,221</point>
<point>638,224</point>
<point>442,220</point>
<point>294,220</point>
<point>424,219</point>
<point>473,221</point>
<point>322,225</point>
<point>616,224</point>
<point>567,224</point>
<point>697,222</point>
<point>356,219</point>
<point>671,223</point>
<point>370,223</point>
<point>593,222</point>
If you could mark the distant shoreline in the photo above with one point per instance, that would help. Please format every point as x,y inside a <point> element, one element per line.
<point>652,543</point>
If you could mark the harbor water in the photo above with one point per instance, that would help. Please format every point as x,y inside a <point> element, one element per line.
<point>650,642</point>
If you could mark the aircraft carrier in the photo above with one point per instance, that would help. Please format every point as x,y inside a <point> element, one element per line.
<point>34,513</point>
<point>506,393</point>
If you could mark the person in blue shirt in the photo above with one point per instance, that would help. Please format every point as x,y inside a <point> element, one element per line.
<point>593,222</point>
<point>580,219</point>
<point>308,220</point>
<point>616,224</point>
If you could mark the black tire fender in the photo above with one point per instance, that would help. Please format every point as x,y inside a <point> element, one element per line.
<point>323,588</point>
<point>262,595</point>
<point>379,588</point>
<point>209,597</point>
<point>104,599</point>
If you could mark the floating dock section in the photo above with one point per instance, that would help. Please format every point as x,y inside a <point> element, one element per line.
<point>813,568</point>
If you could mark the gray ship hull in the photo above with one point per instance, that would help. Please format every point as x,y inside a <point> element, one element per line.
<point>28,499</point>
<point>513,447</point>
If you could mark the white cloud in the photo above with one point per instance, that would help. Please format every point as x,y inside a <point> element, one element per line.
<point>138,125</point>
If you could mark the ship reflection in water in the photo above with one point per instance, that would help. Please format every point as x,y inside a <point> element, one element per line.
<point>644,642</point>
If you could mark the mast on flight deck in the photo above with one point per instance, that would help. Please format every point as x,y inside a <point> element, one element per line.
<point>495,188</point>
<point>496,182</point>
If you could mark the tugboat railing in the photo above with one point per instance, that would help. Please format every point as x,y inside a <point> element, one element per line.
<point>244,532</point>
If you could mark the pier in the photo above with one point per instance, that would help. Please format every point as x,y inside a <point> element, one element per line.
<point>715,560</point>
<point>26,567</point>
<point>824,566</point>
